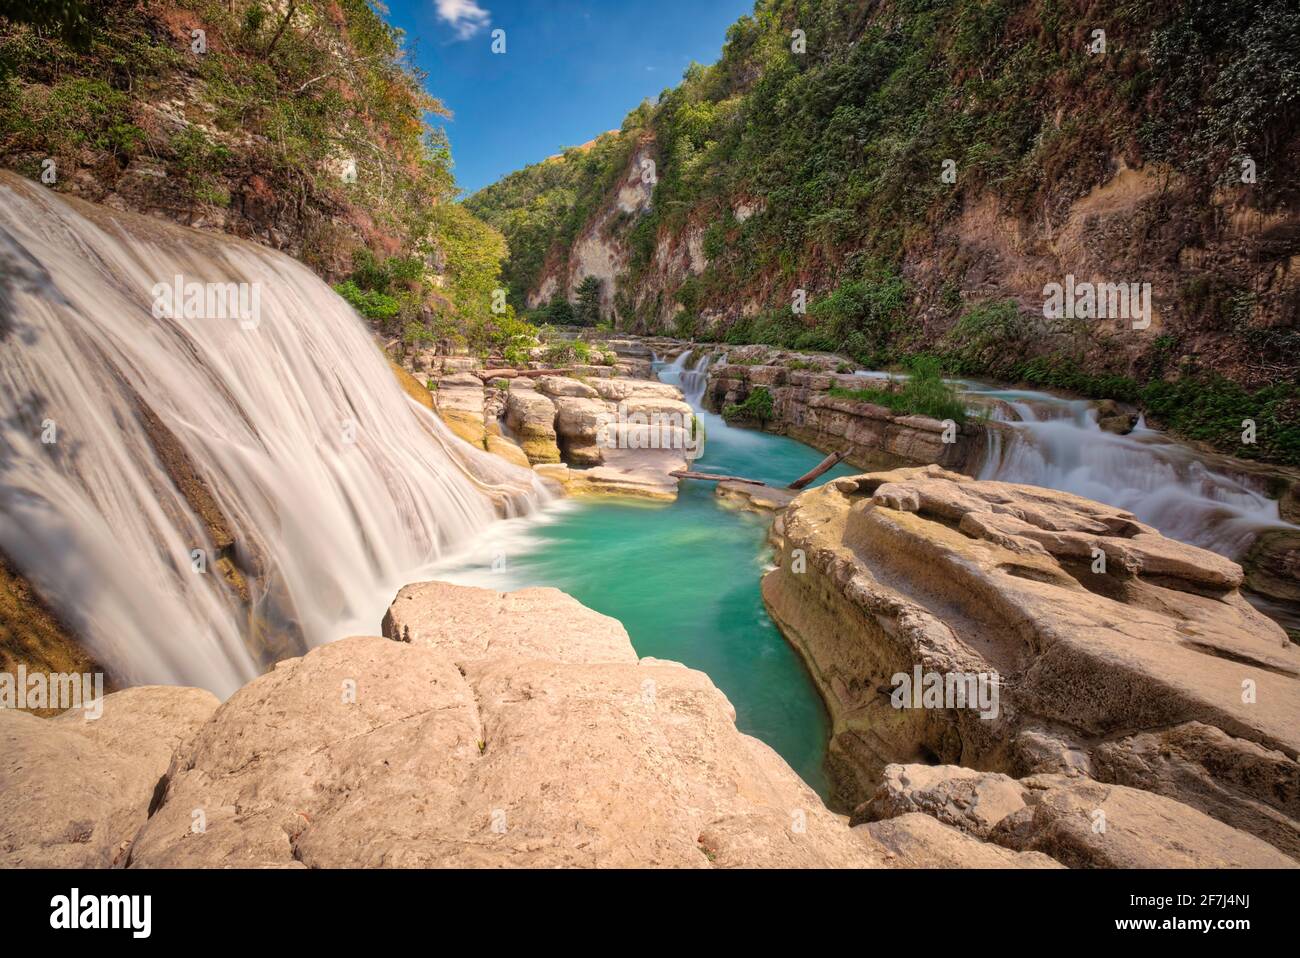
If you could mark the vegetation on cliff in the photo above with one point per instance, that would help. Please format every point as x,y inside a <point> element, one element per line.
<point>298,125</point>
<point>542,207</point>
<point>814,156</point>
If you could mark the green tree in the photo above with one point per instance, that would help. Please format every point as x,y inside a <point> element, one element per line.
<point>587,312</point>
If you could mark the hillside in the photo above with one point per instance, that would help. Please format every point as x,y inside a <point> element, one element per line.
<point>814,157</point>
<point>300,126</point>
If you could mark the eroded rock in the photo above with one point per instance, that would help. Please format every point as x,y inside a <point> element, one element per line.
<point>511,730</point>
<point>73,790</point>
<point>926,568</point>
<point>1076,821</point>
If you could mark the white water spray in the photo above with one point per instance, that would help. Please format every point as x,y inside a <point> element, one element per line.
<point>336,487</point>
<point>1057,443</point>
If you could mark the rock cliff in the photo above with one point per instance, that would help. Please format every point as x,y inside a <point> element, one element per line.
<point>1114,653</point>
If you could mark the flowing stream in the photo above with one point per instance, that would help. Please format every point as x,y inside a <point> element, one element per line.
<point>1056,442</point>
<point>1187,496</point>
<point>683,578</point>
<point>336,488</point>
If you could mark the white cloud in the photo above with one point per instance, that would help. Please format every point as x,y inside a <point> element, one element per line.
<point>466,17</point>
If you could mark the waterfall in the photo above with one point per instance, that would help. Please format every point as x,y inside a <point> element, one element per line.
<point>1054,442</point>
<point>695,381</point>
<point>126,439</point>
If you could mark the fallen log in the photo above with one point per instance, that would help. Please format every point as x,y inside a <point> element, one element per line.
<point>526,373</point>
<point>713,477</point>
<point>829,462</point>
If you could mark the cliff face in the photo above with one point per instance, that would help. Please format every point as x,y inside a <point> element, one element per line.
<point>298,126</point>
<point>922,172</point>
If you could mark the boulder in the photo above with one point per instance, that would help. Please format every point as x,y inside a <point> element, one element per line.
<point>1091,628</point>
<point>579,424</point>
<point>531,417</point>
<point>1112,417</point>
<point>511,730</point>
<point>74,789</point>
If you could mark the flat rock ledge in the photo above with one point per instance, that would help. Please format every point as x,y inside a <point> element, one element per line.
<point>1125,663</point>
<point>520,729</point>
<point>487,729</point>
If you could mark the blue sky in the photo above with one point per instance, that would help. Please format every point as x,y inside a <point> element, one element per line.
<point>572,68</point>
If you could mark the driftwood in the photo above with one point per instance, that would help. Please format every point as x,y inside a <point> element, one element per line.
<point>830,461</point>
<point>713,477</point>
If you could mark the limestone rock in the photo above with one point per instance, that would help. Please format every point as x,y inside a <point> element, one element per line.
<point>467,623</point>
<point>1087,824</point>
<point>74,790</point>
<point>616,390</point>
<point>753,496</point>
<point>556,386</point>
<point>1234,780</point>
<point>1074,820</point>
<point>964,798</point>
<point>1112,417</point>
<point>919,841</point>
<point>512,730</point>
<point>871,436</point>
<point>927,568</point>
<point>459,403</point>
<point>531,417</point>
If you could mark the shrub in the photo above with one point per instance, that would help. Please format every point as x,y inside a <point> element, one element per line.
<point>757,407</point>
<point>923,394</point>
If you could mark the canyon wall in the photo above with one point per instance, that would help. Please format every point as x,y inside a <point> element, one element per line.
<point>894,179</point>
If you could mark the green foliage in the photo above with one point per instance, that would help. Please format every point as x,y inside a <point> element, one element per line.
<point>559,312</point>
<point>757,407</point>
<point>1214,410</point>
<point>566,352</point>
<point>72,21</point>
<point>542,207</point>
<point>587,312</point>
<point>284,103</point>
<point>989,339</point>
<point>1228,81</point>
<point>860,317</point>
<point>374,304</point>
<point>924,393</point>
<point>1061,373</point>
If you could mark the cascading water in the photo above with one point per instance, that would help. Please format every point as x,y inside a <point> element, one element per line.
<point>694,381</point>
<point>1055,442</point>
<point>335,487</point>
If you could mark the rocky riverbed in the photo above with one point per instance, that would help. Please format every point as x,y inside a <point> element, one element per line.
<point>521,730</point>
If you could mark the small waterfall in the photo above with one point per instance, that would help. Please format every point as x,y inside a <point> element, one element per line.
<point>291,434</point>
<point>1054,442</point>
<point>695,381</point>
